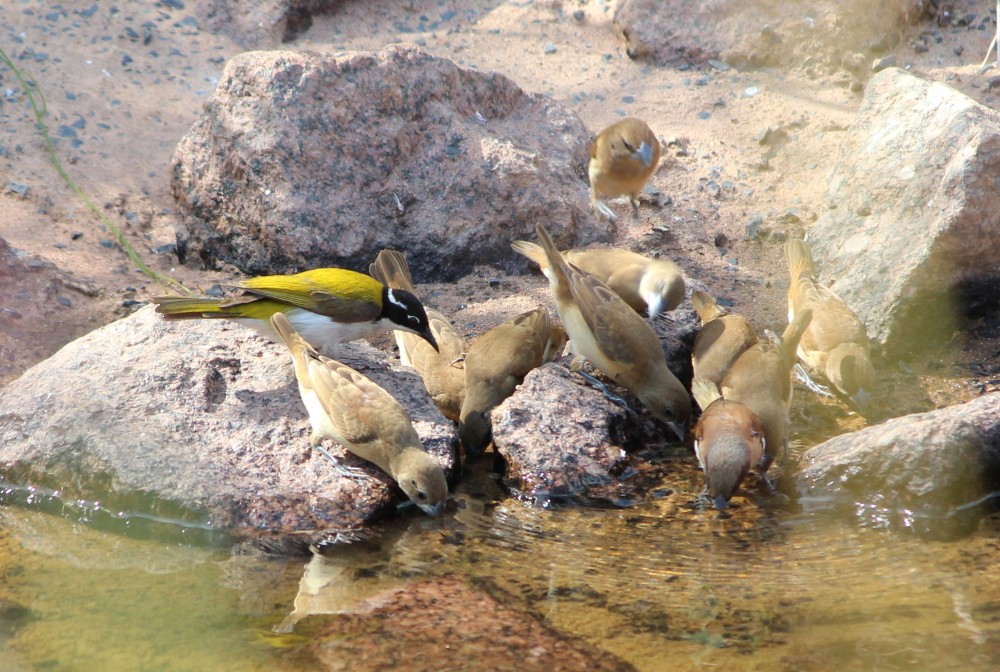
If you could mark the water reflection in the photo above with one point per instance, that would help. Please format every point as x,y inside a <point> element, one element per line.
<point>660,585</point>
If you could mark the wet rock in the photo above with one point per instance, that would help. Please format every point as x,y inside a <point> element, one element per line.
<point>305,160</point>
<point>562,439</point>
<point>763,33</point>
<point>924,471</point>
<point>912,210</point>
<point>439,624</point>
<point>559,436</point>
<point>200,421</point>
<point>262,22</point>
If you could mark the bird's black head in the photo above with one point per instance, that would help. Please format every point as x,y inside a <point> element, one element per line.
<point>406,312</point>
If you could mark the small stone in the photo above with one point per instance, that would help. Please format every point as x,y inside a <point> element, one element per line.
<point>494,282</point>
<point>704,115</point>
<point>76,235</point>
<point>628,100</point>
<point>65,131</point>
<point>579,15</point>
<point>751,91</point>
<point>172,4</point>
<point>881,64</point>
<point>18,188</point>
<point>107,243</point>
<point>166,248</point>
<point>215,290</point>
<point>126,59</point>
<point>721,240</point>
<point>718,65</point>
<point>64,301</point>
<point>754,226</point>
<point>549,48</point>
<point>905,368</point>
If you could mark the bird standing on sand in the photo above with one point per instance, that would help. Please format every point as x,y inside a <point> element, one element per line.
<point>443,375</point>
<point>653,286</point>
<point>326,306</point>
<point>761,380</point>
<point>349,408</point>
<point>604,330</point>
<point>728,440</point>
<point>622,159</point>
<point>496,363</point>
<point>836,343</point>
<point>722,338</point>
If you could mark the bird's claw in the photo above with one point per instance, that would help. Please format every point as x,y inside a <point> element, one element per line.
<point>803,377</point>
<point>604,211</point>
<point>342,469</point>
<point>608,394</point>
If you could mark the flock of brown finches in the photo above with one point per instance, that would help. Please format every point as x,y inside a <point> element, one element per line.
<point>741,383</point>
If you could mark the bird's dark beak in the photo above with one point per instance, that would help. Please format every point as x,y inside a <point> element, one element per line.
<point>429,337</point>
<point>645,152</point>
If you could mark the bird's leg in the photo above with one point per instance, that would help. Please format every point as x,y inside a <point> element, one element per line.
<point>803,377</point>
<point>602,209</point>
<point>343,470</point>
<point>608,394</point>
<point>633,199</point>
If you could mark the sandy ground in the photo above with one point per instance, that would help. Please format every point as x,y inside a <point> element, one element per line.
<point>122,85</point>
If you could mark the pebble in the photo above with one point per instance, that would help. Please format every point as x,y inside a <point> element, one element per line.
<point>704,115</point>
<point>215,290</point>
<point>881,64</point>
<point>718,65</point>
<point>172,4</point>
<point>494,282</point>
<point>579,15</point>
<point>628,100</point>
<point>751,91</point>
<point>76,235</point>
<point>753,226</point>
<point>18,188</point>
<point>126,59</point>
<point>64,301</point>
<point>549,48</point>
<point>107,243</point>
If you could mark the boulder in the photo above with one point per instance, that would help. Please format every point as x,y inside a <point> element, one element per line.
<point>559,437</point>
<point>910,236</point>
<point>449,623</point>
<point>926,471</point>
<point>198,422</point>
<point>303,160</point>
<point>261,22</point>
<point>828,34</point>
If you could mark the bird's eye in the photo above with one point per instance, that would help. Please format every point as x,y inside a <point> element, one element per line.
<point>413,319</point>
<point>627,146</point>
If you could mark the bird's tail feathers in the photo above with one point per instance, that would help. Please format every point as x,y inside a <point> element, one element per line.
<point>800,260</point>
<point>186,307</point>
<point>704,391</point>
<point>532,251</point>
<point>556,264</point>
<point>793,333</point>
<point>291,338</point>
<point>390,268</point>
<point>705,306</point>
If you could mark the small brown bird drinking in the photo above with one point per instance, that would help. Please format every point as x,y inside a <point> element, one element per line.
<point>349,408</point>
<point>836,343</point>
<point>496,363</point>
<point>604,330</point>
<point>723,337</point>
<point>652,286</point>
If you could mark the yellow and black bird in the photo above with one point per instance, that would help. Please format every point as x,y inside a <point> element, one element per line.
<point>349,408</point>
<point>604,330</point>
<point>836,343</point>
<point>728,440</point>
<point>440,369</point>
<point>722,338</point>
<point>761,380</point>
<point>622,159</point>
<point>497,363</point>
<point>327,306</point>
<point>653,286</point>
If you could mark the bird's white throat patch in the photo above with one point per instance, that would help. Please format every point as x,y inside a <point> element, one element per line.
<point>394,301</point>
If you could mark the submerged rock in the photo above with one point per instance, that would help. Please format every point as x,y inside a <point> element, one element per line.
<point>201,422</point>
<point>926,471</point>
<point>909,241</point>
<point>449,623</point>
<point>305,160</point>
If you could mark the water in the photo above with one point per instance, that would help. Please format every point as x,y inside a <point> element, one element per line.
<point>661,585</point>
